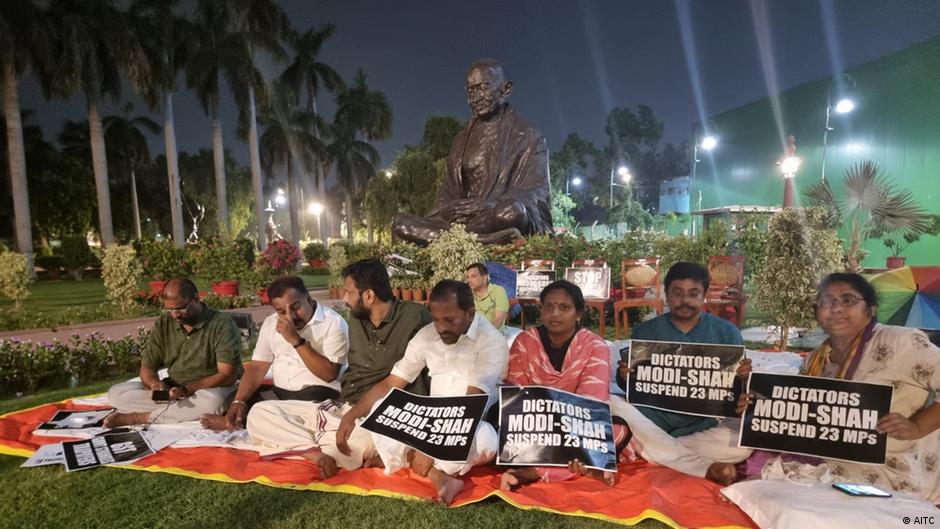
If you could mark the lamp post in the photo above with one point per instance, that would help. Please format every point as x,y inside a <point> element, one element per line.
<point>624,173</point>
<point>315,208</point>
<point>843,106</point>
<point>576,181</point>
<point>707,143</point>
<point>789,166</point>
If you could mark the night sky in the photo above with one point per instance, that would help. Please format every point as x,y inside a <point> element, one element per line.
<point>570,61</point>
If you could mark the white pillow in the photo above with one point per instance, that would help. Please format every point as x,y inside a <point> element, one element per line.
<point>783,504</point>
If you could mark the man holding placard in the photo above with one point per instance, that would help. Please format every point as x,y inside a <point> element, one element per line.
<point>464,355</point>
<point>694,445</point>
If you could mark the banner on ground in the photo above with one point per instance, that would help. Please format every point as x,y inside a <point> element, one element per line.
<point>691,378</point>
<point>543,426</point>
<point>438,427</point>
<point>594,282</point>
<point>529,283</point>
<point>73,420</point>
<point>816,416</point>
<point>105,449</point>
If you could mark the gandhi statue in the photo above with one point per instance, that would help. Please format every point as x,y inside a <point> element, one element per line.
<point>497,171</point>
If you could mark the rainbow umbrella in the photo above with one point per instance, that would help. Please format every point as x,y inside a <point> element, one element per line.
<point>909,296</point>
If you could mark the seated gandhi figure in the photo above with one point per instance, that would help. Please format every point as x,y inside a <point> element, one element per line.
<point>497,171</point>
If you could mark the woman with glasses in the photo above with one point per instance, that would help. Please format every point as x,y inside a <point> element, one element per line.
<point>859,348</point>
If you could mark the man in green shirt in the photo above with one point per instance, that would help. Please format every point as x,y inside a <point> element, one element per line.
<point>490,300</point>
<point>201,349</point>
<point>380,328</point>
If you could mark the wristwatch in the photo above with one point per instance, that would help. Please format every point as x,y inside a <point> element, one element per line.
<point>300,342</point>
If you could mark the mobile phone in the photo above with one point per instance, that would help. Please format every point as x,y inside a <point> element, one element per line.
<point>160,395</point>
<point>625,353</point>
<point>854,489</point>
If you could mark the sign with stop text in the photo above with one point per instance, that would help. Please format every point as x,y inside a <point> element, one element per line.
<point>593,282</point>
<point>816,416</point>
<point>691,378</point>
<point>438,427</point>
<point>541,426</point>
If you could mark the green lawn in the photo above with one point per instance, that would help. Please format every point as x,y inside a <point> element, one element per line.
<point>108,498</point>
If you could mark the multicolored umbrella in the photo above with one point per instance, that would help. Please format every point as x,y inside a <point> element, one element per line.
<point>909,296</point>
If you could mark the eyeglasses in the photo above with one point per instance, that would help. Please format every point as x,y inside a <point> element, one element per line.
<point>180,310</point>
<point>845,301</point>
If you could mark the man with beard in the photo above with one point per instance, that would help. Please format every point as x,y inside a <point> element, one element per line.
<point>303,343</point>
<point>497,171</point>
<point>380,328</point>
<point>201,349</point>
<point>464,355</point>
<point>699,446</point>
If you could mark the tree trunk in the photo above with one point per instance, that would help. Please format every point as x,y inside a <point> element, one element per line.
<point>16,158</point>
<point>99,162</point>
<point>173,172</point>
<point>319,174</point>
<point>292,197</point>
<point>369,230</point>
<point>218,162</point>
<point>135,205</point>
<point>350,218</point>
<point>257,179</point>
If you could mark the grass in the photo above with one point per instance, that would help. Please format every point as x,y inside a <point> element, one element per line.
<point>111,498</point>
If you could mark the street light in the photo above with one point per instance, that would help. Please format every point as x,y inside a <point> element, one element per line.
<point>624,173</point>
<point>707,143</point>
<point>576,181</point>
<point>315,208</point>
<point>280,199</point>
<point>789,165</point>
<point>388,173</point>
<point>843,106</point>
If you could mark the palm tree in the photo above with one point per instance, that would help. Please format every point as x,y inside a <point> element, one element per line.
<point>127,144</point>
<point>94,45</point>
<point>21,46</point>
<point>872,207</point>
<point>166,39</point>
<point>364,113</point>
<point>290,136</point>
<point>306,74</point>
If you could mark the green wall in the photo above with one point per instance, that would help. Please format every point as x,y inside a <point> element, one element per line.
<point>896,123</point>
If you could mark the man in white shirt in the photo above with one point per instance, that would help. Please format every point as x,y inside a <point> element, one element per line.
<point>303,343</point>
<point>464,355</point>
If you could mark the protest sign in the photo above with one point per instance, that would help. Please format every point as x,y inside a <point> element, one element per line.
<point>816,416</point>
<point>71,420</point>
<point>105,449</point>
<point>438,427</point>
<point>549,427</point>
<point>50,454</point>
<point>593,282</point>
<point>692,378</point>
<point>529,283</point>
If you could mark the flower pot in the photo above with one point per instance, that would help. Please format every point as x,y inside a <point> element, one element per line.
<point>895,261</point>
<point>396,292</point>
<point>226,288</point>
<point>263,296</point>
<point>156,287</point>
<point>417,294</point>
<point>406,294</point>
<point>317,263</point>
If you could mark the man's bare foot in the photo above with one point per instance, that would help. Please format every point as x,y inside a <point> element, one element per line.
<point>125,419</point>
<point>721,473</point>
<point>516,478</point>
<point>325,463</point>
<point>446,485</point>
<point>216,423</point>
<point>373,462</point>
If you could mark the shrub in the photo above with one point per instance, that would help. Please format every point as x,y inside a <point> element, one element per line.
<point>338,261</point>
<point>77,255</point>
<point>15,277</point>
<point>281,256</point>
<point>163,260</point>
<point>452,252</point>
<point>122,274</point>
<point>315,250</point>
<point>219,261</point>
<point>50,263</point>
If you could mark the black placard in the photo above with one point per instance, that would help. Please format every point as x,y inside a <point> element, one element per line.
<point>816,416</point>
<point>691,378</point>
<point>549,427</point>
<point>75,419</point>
<point>529,283</point>
<point>105,450</point>
<point>594,282</point>
<point>438,427</point>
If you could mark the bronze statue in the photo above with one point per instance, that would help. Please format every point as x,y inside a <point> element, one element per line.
<point>497,171</point>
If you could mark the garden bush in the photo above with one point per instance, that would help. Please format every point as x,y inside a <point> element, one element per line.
<point>15,277</point>
<point>122,274</point>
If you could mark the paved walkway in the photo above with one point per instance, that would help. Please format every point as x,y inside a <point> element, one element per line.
<point>120,328</point>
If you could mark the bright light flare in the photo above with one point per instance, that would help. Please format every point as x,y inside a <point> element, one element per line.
<point>709,143</point>
<point>844,106</point>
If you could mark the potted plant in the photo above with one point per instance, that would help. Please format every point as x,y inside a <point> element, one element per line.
<point>281,256</point>
<point>337,262</point>
<point>162,261</point>
<point>315,254</point>
<point>222,265</point>
<point>897,247</point>
<point>401,287</point>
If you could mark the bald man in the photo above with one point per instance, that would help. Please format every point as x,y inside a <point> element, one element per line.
<point>201,349</point>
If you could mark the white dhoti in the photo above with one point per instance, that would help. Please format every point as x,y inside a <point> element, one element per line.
<point>134,397</point>
<point>690,454</point>
<point>482,451</point>
<point>287,428</point>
